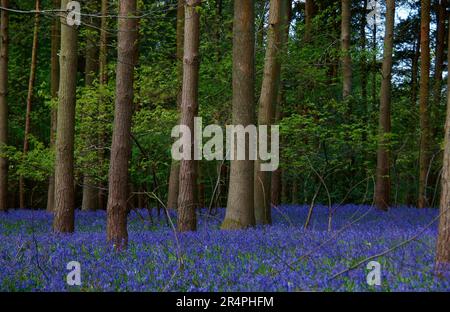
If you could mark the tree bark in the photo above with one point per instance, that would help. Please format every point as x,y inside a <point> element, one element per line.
<point>121,140</point>
<point>90,194</point>
<point>310,11</point>
<point>103,80</point>
<point>4,42</point>
<point>31,81</point>
<point>64,177</point>
<point>174,177</point>
<point>424,158</point>
<point>345,47</point>
<point>443,240</point>
<point>189,109</point>
<point>382,189</point>
<point>240,211</point>
<point>54,85</point>
<point>364,58</point>
<point>267,102</point>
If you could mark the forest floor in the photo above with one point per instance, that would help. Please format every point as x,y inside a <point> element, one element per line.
<point>282,257</point>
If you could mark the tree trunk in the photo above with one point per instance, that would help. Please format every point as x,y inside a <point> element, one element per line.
<point>90,194</point>
<point>439,64</point>
<point>269,95</point>
<point>54,85</point>
<point>240,211</point>
<point>364,58</point>
<point>103,79</point>
<point>443,240</point>
<point>310,11</point>
<point>31,80</point>
<point>189,109</point>
<point>174,178</point>
<point>382,189</point>
<point>4,41</point>
<point>345,47</point>
<point>64,177</point>
<point>424,158</point>
<point>121,140</point>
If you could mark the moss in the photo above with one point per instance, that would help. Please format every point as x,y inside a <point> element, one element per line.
<point>230,224</point>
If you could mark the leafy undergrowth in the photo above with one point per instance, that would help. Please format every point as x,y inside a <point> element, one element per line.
<point>282,257</point>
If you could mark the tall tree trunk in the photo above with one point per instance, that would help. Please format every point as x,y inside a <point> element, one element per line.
<point>364,58</point>
<point>382,190</point>
<point>267,103</point>
<point>441,16</point>
<point>310,11</point>
<point>31,80</point>
<point>443,240</point>
<point>374,67</point>
<point>103,79</point>
<point>189,108</point>
<point>64,219</point>
<point>54,85</point>
<point>345,47</point>
<point>424,158</point>
<point>240,211</point>
<point>4,41</point>
<point>90,194</point>
<point>174,178</point>
<point>121,140</point>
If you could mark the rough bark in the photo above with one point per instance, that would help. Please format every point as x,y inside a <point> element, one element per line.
<point>382,189</point>
<point>121,141</point>
<point>310,11</point>
<point>240,206</point>
<point>345,49</point>
<point>174,178</point>
<point>54,85</point>
<point>103,80</point>
<point>189,109</point>
<point>90,194</point>
<point>267,102</point>
<point>441,16</point>
<point>4,41</point>
<point>443,240</point>
<point>364,57</point>
<point>31,81</point>
<point>424,158</point>
<point>64,177</point>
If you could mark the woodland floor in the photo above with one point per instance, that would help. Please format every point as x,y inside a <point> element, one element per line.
<point>282,257</point>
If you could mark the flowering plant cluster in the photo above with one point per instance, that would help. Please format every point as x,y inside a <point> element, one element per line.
<point>281,257</point>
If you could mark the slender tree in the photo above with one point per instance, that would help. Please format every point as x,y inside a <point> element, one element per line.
<point>345,47</point>
<point>31,81</point>
<point>382,190</point>
<point>363,55</point>
<point>4,42</point>
<point>64,218</point>
<point>441,17</point>
<point>424,92</point>
<point>103,80</point>
<point>310,11</point>
<point>121,140</point>
<point>54,85</point>
<point>267,102</point>
<point>174,177</point>
<point>240,211</point>
<point>443,240</point>
<point>90,194</point>
<point>189,109</point>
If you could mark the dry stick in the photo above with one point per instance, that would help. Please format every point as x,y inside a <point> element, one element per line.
<point>429,170</point>
<point>337,233</point>
<point>392,248</point>
<point>438,180</point>
<point>328,193</point>
<point>311,207</point>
